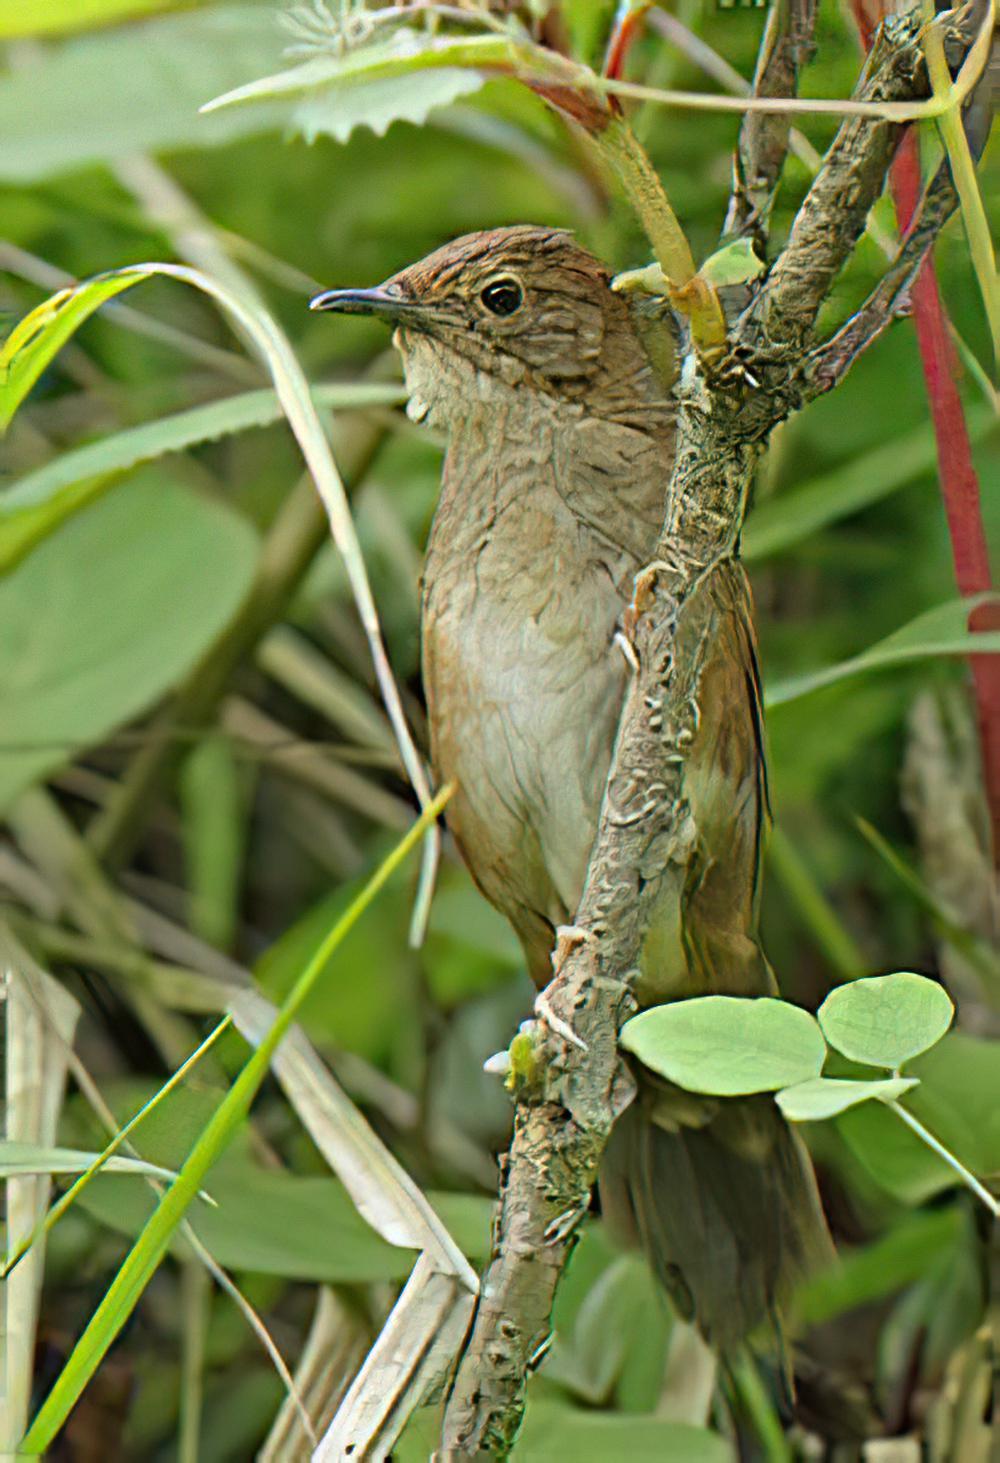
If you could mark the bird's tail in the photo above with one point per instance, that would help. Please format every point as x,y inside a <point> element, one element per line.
<point>721,1196</point>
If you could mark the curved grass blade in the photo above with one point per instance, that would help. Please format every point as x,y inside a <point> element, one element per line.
<point>34,340</point>
<point>293,393</point>
<point>940,631</point>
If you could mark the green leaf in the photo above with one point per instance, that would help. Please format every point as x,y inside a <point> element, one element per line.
<point>825,1097</point>
<point>885,1020</point>
<point>941,631</point>
<point>735,263</point>
<point>958,1100</point>
<point>35,340</point>
<point>778,523</point>
<point>38,502</point>
<point>407,53</point>
<point>44,17</point>
<point>337,110</point>
<point>108,614</point>
<point>551,1431</point>
<point>27,1158</point>
<point>134,89</point>
<point>895,1260</point>
<point>214,818</point>
<point>273,1222</point>
<point>618,1307</point>
<point>728,1045</point>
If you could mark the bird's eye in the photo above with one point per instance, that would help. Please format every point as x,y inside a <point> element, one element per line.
<point>502,296</point>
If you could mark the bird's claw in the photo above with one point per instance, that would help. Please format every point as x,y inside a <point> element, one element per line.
<point>568,939</point>
<point>555,1023</point>
<point>564,1224</point>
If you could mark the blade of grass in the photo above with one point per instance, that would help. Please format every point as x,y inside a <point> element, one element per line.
<point>40,501</point>
<point>778,523</point>
<point>214,814</point>
<point>145,1256</point>
<point>940,631</point>
<point>59,1208</point>
<point>979,953</point>
<point>196,1295</point>
<point>40,1021</point>
<point>226,1284</point>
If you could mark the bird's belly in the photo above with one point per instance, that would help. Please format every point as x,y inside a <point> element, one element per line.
<point>524,691</point>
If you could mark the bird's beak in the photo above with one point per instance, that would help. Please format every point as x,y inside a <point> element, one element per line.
<point>379,301</point>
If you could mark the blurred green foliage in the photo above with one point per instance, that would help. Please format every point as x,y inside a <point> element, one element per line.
<point>284,791</point>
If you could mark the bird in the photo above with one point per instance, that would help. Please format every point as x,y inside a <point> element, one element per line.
<point>555,394</point>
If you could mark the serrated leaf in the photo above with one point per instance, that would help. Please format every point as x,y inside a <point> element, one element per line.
<point>825,1097</point>
<point>337,110</point>
<point>728,1046</point>
<point>408,53</point>
<point>940,631</point>
<point>34,341</point>
<point>885,1020</point>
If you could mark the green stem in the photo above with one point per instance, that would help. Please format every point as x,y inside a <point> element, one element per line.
<point>969,1179</point>
<point>963,173</point>
<point>196,1295</point>
<point>759,1409</point>
<point>647,196</point>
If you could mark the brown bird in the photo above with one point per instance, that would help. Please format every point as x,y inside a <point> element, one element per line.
<point>560,427</point>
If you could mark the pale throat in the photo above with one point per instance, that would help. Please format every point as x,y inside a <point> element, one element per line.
<point>445,387</point>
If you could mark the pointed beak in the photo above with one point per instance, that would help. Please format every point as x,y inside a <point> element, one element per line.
<point>379,301</point>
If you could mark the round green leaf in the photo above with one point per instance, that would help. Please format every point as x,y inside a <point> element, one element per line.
<point>825,1097</point>
<point>886,1019</point>
<point>728,1045</point>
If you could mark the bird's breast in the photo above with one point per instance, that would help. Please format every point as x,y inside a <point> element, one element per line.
<point>522,598</point>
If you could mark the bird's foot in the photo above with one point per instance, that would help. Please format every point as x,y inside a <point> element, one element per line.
<point>544,1012</point>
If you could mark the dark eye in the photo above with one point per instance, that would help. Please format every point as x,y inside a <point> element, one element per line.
<point>502,296</point>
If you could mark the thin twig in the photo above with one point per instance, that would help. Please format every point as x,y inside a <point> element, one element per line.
<point>786,46</point>
<point>827,365</point>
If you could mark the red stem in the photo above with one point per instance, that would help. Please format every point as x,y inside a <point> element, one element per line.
<point>959,483</point>
<point>627,26</point>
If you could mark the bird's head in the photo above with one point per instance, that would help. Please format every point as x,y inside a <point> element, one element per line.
<point>506,308</point>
